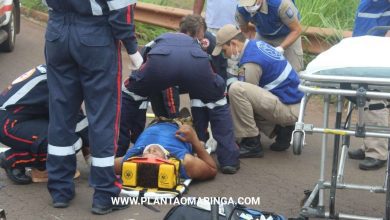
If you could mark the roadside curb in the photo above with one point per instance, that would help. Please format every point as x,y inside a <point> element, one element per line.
<point>36,15</point>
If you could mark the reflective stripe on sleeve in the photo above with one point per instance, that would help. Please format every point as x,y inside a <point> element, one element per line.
<point>96,8</point>
<point>210,105</point>
<point>118,4</point>
<point>82,124</point>
<point>103,162</point>
<point>64,150</point>
<point>373,15</point>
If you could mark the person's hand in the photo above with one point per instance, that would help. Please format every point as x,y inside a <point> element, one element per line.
<point>187,134</point>
<point>136,61</point>
<point>280,49</point>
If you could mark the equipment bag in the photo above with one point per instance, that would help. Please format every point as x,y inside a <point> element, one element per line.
<point>231,212</point>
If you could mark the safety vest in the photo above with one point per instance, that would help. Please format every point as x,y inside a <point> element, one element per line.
<point>278,76</point>
<point>28,89</point>
<point>370,14</point>
<point>269,25</point>
<point>164,135</point>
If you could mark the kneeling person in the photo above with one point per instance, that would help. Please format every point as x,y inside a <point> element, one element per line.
<point>165,139</point>
<point>269,98</point>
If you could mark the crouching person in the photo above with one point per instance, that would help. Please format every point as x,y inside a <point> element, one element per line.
<point>24,119</point>
<point>165,139</point>
<point>267,99</point>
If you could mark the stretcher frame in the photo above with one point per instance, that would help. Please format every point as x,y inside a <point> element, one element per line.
<point>327,86</point>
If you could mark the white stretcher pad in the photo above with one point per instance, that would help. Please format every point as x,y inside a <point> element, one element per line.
<point>366,56</point>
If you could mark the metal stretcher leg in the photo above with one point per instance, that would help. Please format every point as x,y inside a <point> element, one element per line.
<point>387,217</point>
<point>345,145</point>
<point>332,211</point>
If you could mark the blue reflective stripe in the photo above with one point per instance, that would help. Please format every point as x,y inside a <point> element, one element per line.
<point>64,150</point>
<point>96,8</point>
<point>103,162</point>
<point>118,4</point>
<point>373,15</point>
<point>210,105</point>
<point>283,76</point>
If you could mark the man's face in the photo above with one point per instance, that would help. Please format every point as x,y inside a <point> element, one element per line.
<point>154,152</point>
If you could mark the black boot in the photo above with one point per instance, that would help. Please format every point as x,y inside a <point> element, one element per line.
<point>283,138</point>
<point>17,175</point>
<point>251,147</point>
<point>371,164</point>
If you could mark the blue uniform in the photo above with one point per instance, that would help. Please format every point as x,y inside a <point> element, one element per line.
<point>83,57</point>
<point>270,25</point>
<point>178,60</point>
<point>164,135</point>
<point>24,117</point>
<point>371,14</point>
<point>278,76</point>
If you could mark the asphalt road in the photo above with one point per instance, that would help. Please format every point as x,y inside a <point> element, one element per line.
<point>279,179</point>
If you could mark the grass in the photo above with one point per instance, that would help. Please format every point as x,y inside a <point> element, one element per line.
<point>337,14</point>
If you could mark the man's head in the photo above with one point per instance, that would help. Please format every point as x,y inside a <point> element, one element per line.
<point>251,6</point>
<point>230,41</point>
<point>194,26</point>
<point>155,151</point>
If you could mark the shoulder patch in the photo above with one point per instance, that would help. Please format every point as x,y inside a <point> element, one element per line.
<point>269,50</point>
<point>289,13</point>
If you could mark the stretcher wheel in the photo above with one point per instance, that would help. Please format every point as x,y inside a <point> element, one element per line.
<point>297,142</point>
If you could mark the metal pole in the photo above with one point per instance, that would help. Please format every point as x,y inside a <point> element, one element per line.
<point>387,217</point>
<point>323,152</point>
<point>332,211</point>
<point>345,146</point>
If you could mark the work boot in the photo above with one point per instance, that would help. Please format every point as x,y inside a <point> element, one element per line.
<point>102,210</point>
<point>17,175</point>
<point>371,164</point>
<point>356,154</point>
<point>230,169</point>
<point>251,147</point>
<point>283,138</point>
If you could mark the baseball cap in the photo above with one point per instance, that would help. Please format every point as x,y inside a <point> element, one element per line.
<point>225,34</point>
<point>243,3</point>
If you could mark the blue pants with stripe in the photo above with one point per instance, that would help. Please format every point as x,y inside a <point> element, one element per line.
<point>83,63</point>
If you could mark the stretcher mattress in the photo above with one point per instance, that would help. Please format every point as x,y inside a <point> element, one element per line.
<point>366,56</point>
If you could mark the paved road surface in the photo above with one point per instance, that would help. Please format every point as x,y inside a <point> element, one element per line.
<point>279,179</point>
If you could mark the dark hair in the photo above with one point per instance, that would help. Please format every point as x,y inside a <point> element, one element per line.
<point>191,24</point>
<point>240,37</point>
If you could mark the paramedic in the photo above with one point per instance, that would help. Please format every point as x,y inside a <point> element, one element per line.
<point>373,151</point>
<point>277,23</point>
<point>269,98</point>
<point>24,119</point>
<point>83,57</point>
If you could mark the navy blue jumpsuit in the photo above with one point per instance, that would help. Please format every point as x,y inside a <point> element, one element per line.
<point>24,119</point>
<point>83,57</point>
<point>177,60</point>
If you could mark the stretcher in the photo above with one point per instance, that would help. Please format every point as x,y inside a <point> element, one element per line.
<point>356,69</point>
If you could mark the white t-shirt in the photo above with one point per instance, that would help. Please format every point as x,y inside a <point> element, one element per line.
<point>220,13</point>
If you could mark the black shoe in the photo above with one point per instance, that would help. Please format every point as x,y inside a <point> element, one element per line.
<point>230,169</point>
<point>17,175</point>
<point>250,147</point>
<point>283,138</point>
<point>356,154</point>
<point>102,210</point>
<point>371,164</point>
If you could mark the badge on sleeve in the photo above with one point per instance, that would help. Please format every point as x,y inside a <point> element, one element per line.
<point>290,13</point>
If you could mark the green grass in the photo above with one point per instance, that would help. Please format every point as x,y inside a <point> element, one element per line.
<point>34,4</point>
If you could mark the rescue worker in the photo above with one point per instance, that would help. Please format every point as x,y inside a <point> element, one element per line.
<point>269,98</point>
<point>373,151</point>
<point>83,57</point>
<point>176,59</point>
<point>277,23</point>
<point>164,139</point>
<point>24,117</point>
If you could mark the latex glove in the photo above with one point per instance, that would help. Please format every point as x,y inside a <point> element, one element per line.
<point>136,61</point>
<point>280,49</point>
